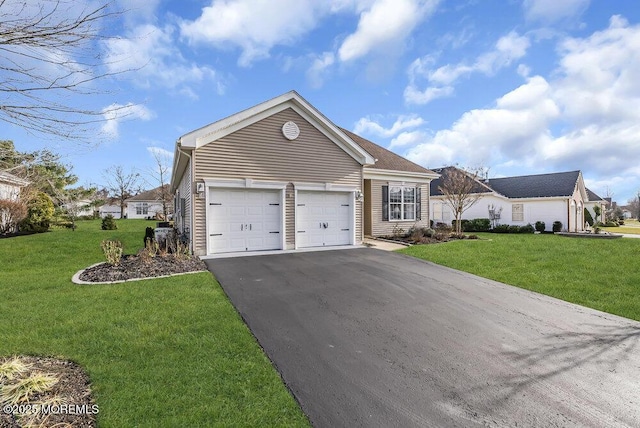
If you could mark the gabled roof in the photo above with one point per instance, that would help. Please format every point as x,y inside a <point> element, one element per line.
<point>593,197</point>
<point>435,184</point>
<point>152,195</point>
<point>386,159</point>
<point>536,186</point>
<point>6,177</point>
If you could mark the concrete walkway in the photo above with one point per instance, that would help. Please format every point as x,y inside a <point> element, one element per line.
<point>383,245</point>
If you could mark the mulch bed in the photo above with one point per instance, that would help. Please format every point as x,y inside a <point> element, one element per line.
<point>133,267</point>
<point>72,389</point>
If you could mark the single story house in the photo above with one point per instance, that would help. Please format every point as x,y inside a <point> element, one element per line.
<point>10,186</point>
<point>109,209</point>
<point>524,200</point>
<point>82,207</point>
<point>281,176</point>
<point>146,204</point>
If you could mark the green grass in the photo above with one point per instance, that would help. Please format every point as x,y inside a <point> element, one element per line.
<point>163,352</point>
<point>600,274</point>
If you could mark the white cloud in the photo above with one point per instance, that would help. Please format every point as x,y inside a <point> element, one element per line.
<point>152,52</point>
<point>549,11</point>
<point>441,80</point>
<point>255,26</point>
<point>320,66</point>
<point>387,23</point>
<point>409,138</point>
<point>585,118</point>
<point>367,126</point>
<point>160,152</point>
<point>115,114</point>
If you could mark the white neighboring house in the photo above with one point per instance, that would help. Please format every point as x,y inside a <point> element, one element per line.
<point>525,200</point>
<point>10,186</point>
<point>81,207</point>
<point>146,204</point>
<point>107,209</point>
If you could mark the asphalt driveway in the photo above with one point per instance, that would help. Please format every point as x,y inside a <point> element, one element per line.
<point>371,338</point>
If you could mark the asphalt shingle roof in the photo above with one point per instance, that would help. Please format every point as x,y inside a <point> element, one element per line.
<point>386,159</point>
<point>536,186</point>
<point>435,184</point>
<point>592,196</point>
<point>149,195</point>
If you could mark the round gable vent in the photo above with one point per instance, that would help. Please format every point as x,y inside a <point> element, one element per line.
<point>290,130</point>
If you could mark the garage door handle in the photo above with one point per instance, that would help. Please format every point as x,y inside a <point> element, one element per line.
<point>242,227</point>
<point>215,234</point>
<point>344,230</point>
<point>250,227</point>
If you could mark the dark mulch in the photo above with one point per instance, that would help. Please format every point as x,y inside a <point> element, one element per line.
<point>132,267</point>
<point>73,405</point>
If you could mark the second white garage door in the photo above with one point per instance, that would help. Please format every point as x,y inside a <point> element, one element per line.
<point>323,219</point>
<point>244,220</point>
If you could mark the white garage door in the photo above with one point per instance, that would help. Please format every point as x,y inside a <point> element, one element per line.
<point>323,219</point>
<point>244,220</point>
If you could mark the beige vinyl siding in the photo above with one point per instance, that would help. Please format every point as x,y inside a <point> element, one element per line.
<point>260,152</point>
<point>384,228</point>
<point>185,191</point>
<point>290,219</point>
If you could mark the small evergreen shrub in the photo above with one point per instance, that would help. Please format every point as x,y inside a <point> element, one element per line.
<point>513,229</point>
<point>540,226</point>
<point>477,225</point>
<point>587,217</point>
<point>109,223</point>
<point>501,228</point>
<point>40,212</point>
<point>557,226</point>
<point>527,229</point>
<point>611,223</point>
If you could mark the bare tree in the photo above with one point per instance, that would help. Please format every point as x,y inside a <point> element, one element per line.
<point>161,174</point>
<point>121,185</point>
<point>48,50</point>
<point>461,190</point>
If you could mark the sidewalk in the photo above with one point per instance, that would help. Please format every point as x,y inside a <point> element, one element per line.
<point>383,245</point>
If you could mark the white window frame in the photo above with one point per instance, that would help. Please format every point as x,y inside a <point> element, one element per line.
<point>142,208</point>
<point>403,205</point>
<point>517,212</point>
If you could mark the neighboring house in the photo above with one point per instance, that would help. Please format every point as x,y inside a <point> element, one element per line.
<point>111,207</point>
<point>10,186</point>
<point>595,200</point>
<point>525,200</point>
<point>80,208</point>
<point>280,176</point>
<point>146,204</point>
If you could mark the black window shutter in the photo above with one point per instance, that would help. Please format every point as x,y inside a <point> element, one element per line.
<point>418,203</point>
<point>385,203</point>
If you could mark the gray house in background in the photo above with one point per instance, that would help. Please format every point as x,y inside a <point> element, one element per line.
<point>281,176</point>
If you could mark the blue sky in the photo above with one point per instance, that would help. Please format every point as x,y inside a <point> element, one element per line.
<point>520,87</point>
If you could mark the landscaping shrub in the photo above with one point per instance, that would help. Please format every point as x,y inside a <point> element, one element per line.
<point>611,223</point>
<point>443,227</point>
<point>527,229</point>
<point>11,214</point>
<point>501,228</point>
<point>472,237</point>
<point>149,235</point>
<point>540,226</point>
<point>109,223</point>
<point>428,232</point>
<point>621,222</point>
<point>587,217</point>
<point>557,226</point>
<point>513,229</point>
<point>477,225</point>
<point>463,224</point>
<point>39,214</point>
<point>112,251</point>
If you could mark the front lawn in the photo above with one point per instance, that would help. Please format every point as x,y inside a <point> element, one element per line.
<point>601,274</point>
<point>163,352</point>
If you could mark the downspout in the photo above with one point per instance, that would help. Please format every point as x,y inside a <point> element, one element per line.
<point>192,210</point>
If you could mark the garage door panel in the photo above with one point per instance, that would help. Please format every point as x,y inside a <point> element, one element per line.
<point>323,219</point>
<point>244,220</point>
